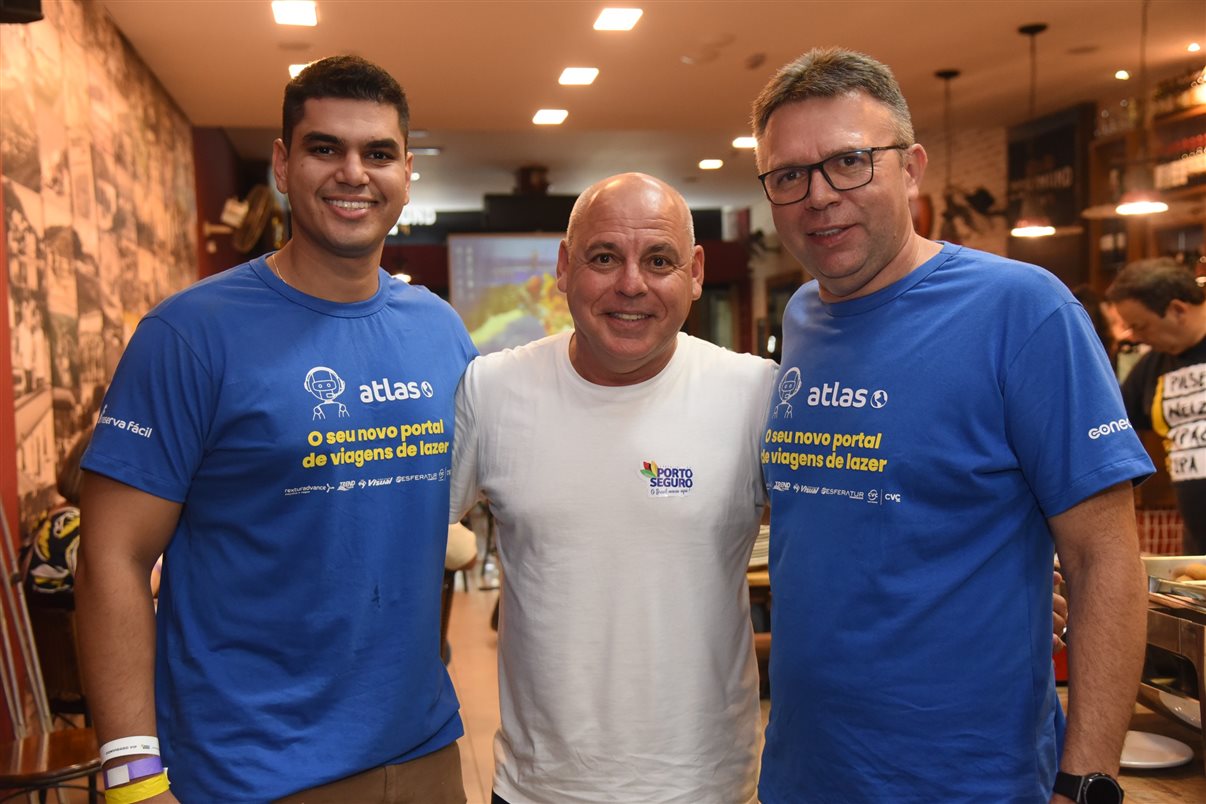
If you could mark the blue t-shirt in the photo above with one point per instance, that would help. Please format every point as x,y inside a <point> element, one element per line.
<point>309,442</point>
<point>918,440</point>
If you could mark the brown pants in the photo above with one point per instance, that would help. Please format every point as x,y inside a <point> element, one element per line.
<point>431,779</point>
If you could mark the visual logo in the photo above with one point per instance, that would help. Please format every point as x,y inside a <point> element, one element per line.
<point>879,398</point>
<point>667,481</point>
<point>326,385</point>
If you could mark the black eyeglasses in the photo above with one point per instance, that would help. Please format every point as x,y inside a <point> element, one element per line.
<point>845,171</point>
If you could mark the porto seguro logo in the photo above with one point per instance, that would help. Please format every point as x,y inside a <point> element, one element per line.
<point>667,481</point>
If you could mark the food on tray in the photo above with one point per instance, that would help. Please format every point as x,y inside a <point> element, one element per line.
<point>1190,572</point>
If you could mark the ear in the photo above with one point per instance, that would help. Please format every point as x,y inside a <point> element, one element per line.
<point>697,272</point>
<point>915,161</point>
<point>1177,308</point>
<point>562,266</point>
<point>410,162</point>
<point>280,162</point>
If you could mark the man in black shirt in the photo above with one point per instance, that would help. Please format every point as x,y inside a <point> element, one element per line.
<point>1164,307</point>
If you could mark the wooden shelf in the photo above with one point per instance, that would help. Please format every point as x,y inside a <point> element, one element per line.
<point>1179,115</point>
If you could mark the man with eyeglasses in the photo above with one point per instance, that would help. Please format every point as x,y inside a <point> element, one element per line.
<point>1164,307</point>
<point>941,444</point>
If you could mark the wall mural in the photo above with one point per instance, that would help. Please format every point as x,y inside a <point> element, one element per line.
<point>100,216</point>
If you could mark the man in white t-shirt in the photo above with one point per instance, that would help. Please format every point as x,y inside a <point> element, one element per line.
<point>621,464</point>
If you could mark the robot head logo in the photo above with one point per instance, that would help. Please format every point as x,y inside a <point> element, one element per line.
<point>325,384</point>
<point>789,386</point>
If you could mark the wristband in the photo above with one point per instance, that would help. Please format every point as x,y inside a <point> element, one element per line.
<point>132,771</point>
<point>139,791</point>
<point>125,746</point>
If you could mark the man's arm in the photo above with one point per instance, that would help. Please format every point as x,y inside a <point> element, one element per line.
<point>126,531</point>
<point>1099,554</point>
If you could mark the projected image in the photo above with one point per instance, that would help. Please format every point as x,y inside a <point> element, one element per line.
<point>505,288</point>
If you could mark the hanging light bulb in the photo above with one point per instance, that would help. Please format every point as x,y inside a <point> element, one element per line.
<point>1031,221</point>
<point>1140,196</point>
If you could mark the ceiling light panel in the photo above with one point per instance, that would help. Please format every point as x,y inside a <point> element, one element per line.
<point>618,19</point>
<point>744,142</point>
<point>295,69</point>
<point>578,76</point>
<point>550,117</point>
<point>711,164</point>
<point>295,12</point>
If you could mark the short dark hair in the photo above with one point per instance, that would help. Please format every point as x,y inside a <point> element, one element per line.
<point>349,77</point>
<point>1155,283</point>
<point>830,72</point>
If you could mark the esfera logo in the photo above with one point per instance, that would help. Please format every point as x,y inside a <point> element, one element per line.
<point>667,481</point>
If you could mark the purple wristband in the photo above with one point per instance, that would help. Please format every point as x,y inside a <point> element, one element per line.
<point>133,771</point>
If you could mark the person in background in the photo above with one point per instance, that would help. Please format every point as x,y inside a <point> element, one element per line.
<point>621,464</point>
<point>956,425</point>
<point>1164,307</point>
<point>294,656</point>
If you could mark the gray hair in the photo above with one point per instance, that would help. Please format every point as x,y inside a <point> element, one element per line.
<point>828,73</point>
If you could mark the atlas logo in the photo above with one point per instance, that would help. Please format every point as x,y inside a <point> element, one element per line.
<point>836,395</point>
<point>387,390</point>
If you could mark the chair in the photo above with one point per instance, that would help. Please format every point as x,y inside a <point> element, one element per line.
<point>45,761</point>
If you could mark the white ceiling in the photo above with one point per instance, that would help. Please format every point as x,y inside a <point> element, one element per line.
<point>674,90</point>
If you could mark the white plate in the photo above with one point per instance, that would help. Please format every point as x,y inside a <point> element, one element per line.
<point>1145,750</point>
<point>1187,709</point>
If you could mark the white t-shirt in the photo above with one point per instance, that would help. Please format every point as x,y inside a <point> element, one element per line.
<point>625,517</point>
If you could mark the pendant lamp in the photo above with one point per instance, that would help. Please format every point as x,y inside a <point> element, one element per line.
<point>1031,220</point>
<point>948,231</point>
<point>1139,196</point>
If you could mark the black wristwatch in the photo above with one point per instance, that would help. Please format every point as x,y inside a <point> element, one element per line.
<point>1095,788</point>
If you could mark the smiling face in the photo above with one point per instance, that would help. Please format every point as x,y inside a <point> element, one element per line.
<point>630,271</point>
<point>858,241</point>
<point>347,175</point>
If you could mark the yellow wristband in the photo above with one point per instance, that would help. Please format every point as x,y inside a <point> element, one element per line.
<point>139,791</point>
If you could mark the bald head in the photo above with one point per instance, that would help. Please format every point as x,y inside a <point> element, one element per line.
<point>629,268</point>
<point>631,187</point>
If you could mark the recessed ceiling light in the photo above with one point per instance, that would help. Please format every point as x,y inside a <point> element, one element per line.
<point>415,175</point>
<point>1194,47</point>
<point>578,76</point>
<point>295,69</point>
<point>295,12</point>
<point>1122,75</point>
<point>618,19</point>
<point>744,142</point>
<point>711,164</point>
<point>550,117</point>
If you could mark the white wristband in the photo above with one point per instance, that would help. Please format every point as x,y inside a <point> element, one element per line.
<point>126,746</point>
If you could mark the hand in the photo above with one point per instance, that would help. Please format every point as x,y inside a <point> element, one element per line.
<point>1059,611</point>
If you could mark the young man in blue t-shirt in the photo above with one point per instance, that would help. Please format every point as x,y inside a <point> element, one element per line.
<point>282,433</point>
